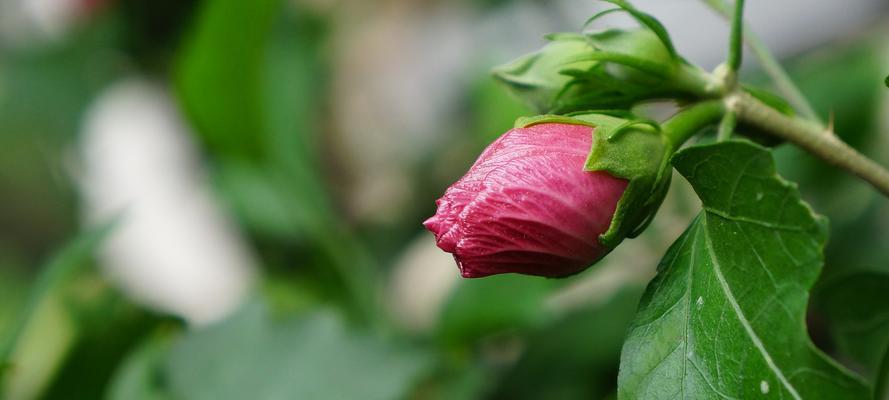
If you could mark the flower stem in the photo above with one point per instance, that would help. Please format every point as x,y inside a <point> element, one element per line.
<point>810,136</point>
<point>727,126</point>
<point>737,37</point>
<point>770,65</point>
<point>690,120</point>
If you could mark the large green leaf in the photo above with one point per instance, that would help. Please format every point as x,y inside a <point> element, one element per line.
<point>253,356</point>
<point>725,317</point>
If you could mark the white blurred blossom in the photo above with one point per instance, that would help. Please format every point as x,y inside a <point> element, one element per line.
<point>173,249</point>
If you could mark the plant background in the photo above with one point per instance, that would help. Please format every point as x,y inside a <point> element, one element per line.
<point>264,167</point>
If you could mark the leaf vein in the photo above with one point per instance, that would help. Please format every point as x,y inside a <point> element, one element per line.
<point>757,342</point>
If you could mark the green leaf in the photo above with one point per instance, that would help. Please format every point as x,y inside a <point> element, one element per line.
<point>253,356</point>
<point>857,309</point>
<point>725,316</point>
<point>56,271</point>
<point>886,81</point>
<point>219,76</point>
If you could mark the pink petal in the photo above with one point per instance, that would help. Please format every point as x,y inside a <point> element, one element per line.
<point>527,206</point>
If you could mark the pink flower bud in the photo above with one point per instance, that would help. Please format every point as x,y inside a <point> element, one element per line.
<point>528,206</point>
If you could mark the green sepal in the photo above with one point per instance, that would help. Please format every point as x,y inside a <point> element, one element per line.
<point>650,22</point>
<point>536,79</point>
<point>601,14</point>
<point>592,119</point>
<point>636,150</point>
<point>609,69</point>
<point>629,147</point>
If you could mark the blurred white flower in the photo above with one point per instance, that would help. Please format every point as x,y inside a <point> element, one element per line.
<point>174,249</point>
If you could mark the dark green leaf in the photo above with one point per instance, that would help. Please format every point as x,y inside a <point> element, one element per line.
<point>857,308</point>
<point>886,81</point>
<point>252,356</point>
<point>725,317</point>
<point>881,387</point>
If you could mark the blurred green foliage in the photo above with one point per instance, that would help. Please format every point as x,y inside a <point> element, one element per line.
<point>314,356</point>
<point>254,80</point>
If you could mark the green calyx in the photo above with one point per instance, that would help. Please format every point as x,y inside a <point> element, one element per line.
<point>639,150</point>
<point>611,69</point>
<point>628,147</point>
<point>536,78</point>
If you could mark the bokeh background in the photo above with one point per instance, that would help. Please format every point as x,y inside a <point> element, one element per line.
<point>222,199</point>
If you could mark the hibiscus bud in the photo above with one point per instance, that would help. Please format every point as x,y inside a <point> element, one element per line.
<point>529,206</point>
<point>585,71</point>
<point>605,70</point>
